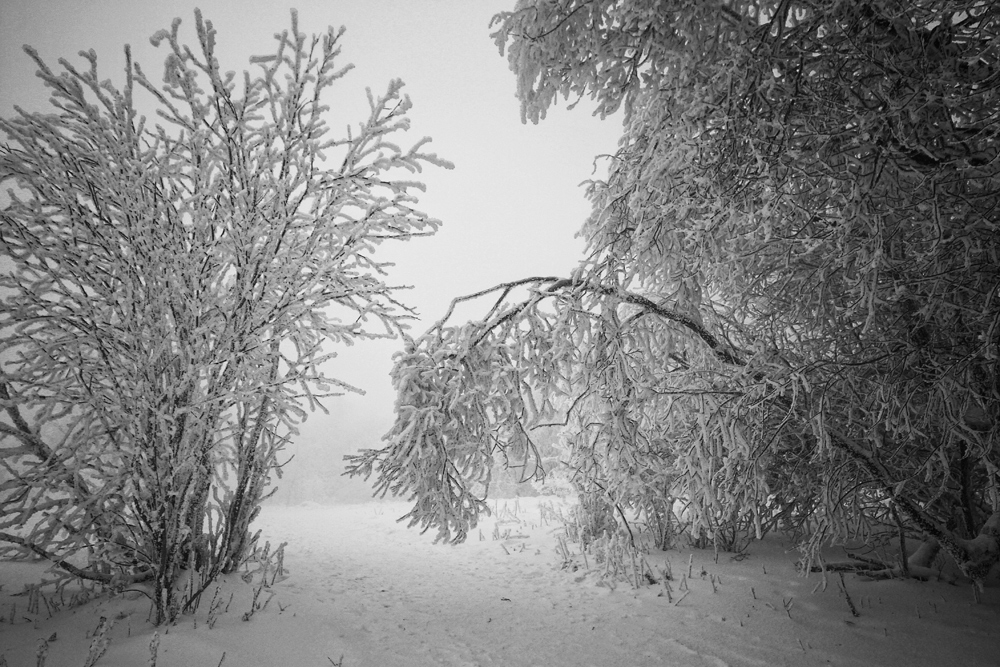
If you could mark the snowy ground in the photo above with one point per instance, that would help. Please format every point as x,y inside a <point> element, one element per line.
<point>361,589</point>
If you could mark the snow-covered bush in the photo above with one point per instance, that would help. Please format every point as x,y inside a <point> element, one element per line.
<point>170,290</point>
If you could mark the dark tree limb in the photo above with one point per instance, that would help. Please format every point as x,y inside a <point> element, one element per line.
<point>90,575</point>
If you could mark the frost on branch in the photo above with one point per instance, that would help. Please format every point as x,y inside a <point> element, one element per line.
<point>171,289</point>
<point>568,352</point>
<point>788,312</point>
<point>450,422</point>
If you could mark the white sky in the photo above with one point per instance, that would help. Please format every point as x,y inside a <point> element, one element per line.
<point>510,208</point>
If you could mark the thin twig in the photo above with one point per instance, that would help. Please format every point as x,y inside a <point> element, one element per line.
<point>850,602</point>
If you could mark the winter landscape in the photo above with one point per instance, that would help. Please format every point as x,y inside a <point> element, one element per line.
<point>678,344</point>
<point>360,589</point>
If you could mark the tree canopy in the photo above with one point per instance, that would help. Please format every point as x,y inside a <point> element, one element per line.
<point>788,313</point>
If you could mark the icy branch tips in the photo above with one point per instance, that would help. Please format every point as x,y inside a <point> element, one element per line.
<point>171,291</point>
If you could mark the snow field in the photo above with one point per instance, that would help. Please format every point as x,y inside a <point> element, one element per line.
<point>361,589</point>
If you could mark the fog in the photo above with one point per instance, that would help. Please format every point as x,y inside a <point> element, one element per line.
<point>510,208</point>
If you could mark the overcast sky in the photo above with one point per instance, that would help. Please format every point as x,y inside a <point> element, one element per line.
<point>510,208</point>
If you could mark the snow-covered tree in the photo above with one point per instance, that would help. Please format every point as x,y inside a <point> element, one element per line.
<point>788,314</point>
<point>171,289</point>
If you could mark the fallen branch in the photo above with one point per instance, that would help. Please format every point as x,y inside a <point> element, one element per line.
<point>917,566</point>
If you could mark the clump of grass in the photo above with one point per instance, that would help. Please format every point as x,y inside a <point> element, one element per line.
<point>99,642</point>
<point>42,654</point>
<point>154,649</point>
<point>214,606</point>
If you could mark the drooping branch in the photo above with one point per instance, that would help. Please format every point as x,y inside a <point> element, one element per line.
<point>550,286</point>
<point>89,575</point>
<point>544,287</point>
